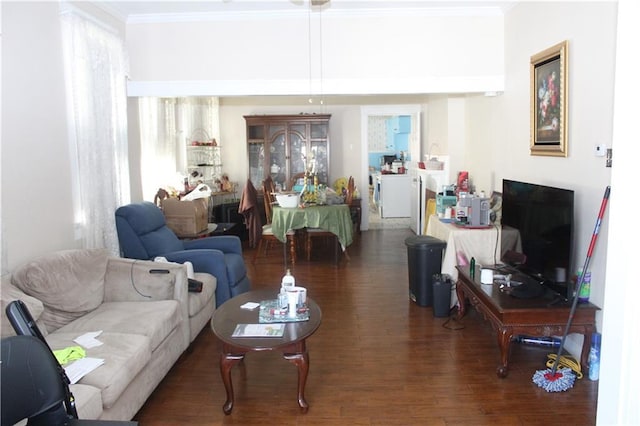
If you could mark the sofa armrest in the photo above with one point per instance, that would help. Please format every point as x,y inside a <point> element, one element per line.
<point>224,243</point>
<point>209,261</point>
<point>9,293</point>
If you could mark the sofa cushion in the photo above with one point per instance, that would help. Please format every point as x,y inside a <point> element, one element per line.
<point>125,355</point>
<point>152,319</point>
<point>197,301</point>
<point>130,280</point>
<point>88,401</point>
<point>69,283</point>
<point>9,293</point>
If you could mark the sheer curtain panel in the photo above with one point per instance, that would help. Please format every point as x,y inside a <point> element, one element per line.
<point>95,72</point>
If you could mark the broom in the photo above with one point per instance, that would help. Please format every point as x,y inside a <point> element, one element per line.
<point>554,379</point>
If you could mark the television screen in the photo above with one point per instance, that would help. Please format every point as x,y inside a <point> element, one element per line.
<point>544,217</point>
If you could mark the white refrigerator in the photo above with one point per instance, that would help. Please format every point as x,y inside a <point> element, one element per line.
<point>395,195</point>
<point>421,180</point>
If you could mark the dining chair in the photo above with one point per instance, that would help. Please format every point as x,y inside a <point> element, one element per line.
<point>267,237</point>
<point>355,204</point>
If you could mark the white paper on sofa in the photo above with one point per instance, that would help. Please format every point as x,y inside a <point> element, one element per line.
<point>88,340</point>
<point>80,368</point>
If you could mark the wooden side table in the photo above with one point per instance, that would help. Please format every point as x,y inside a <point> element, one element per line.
<point>211,229</point>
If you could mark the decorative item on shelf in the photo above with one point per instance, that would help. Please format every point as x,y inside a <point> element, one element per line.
<point>309,195</point>
<point>200,137</point>
<point>340,185</point>
<point>227,186</point>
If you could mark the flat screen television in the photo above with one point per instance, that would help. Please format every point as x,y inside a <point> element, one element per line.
<point>544,217</point>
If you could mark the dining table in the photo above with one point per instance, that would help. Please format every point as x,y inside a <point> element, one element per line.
<point>335,218</point>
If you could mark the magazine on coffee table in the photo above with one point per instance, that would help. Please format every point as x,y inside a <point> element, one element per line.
<point>258,330</point>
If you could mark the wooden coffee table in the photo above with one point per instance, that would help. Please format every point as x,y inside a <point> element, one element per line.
<point>510,316</point>
<point>292,344</point>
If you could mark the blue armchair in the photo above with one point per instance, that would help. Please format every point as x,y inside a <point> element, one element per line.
<point>143,234</point>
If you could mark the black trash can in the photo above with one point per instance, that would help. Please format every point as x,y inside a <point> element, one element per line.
<point>425,259</point>
<point>441,295</point>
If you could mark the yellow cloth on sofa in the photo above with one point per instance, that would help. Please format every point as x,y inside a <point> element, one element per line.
<point>69,354</point>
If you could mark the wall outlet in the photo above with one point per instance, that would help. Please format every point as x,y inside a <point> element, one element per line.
<point>601,150</point>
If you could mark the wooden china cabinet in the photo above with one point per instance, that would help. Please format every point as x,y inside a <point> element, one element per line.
<point>282,146</point>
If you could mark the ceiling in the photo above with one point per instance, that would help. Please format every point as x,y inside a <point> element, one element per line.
<point>134,10</point>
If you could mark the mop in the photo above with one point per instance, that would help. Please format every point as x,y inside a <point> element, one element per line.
<point>561,379</point>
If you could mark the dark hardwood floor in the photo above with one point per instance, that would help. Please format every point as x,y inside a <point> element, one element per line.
<point>377,359</point>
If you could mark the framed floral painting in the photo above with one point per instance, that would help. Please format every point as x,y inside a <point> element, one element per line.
<point>549,101</point>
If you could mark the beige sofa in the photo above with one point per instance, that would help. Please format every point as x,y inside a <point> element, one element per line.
<point>147,320</point>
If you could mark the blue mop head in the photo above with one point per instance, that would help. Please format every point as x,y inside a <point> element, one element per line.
<point>559,381</point>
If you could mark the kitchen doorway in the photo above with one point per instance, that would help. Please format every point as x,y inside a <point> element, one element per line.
<point>371,117</point>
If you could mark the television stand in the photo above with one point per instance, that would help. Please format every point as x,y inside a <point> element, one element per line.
<point>511,316</point>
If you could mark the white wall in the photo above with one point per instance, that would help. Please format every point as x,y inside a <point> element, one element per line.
<point>264,54</point>
<point>37,214</point>
<point>619,385</point>
<point>497,145</point>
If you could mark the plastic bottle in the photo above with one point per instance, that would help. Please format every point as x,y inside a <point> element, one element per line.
<point>594,357</point>
<point>472,268</point>
<point>585,290</point>
<point>288,280</point>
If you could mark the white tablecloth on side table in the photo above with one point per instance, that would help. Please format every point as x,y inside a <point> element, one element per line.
<point>483,244</point>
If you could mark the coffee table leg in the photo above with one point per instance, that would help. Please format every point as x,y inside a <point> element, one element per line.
<point>301,360</point>
<point>504,342</point>
<point>227,361</point>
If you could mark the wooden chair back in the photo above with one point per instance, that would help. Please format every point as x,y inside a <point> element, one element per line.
<point>268,188</point>
<point>351,188</point>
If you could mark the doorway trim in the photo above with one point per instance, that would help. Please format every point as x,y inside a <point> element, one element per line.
<point>415,111</point>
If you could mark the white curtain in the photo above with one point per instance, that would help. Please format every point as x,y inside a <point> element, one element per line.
<point>95,72</point>
<point>167,125</point>
<point>159,146</point>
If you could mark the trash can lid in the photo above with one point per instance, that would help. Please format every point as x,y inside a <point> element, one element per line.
<point>424,241</point>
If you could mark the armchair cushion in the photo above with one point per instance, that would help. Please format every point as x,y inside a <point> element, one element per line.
<point>143,232</point>
<point>69,283</point>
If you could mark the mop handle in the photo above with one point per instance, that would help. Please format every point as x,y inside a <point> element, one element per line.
<point>592,244</point>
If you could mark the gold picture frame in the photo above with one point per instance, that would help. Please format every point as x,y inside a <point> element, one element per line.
<point>549,72</point>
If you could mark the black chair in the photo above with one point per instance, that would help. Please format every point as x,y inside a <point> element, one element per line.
<point>34,384</point>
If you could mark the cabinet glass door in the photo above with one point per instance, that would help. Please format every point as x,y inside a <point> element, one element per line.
<point>278,154</point>
<point>298,145</point>
<point>256,164</point>
<point>319,152</point>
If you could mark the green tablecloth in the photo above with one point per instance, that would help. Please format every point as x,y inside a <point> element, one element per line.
<point>335,219</point>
